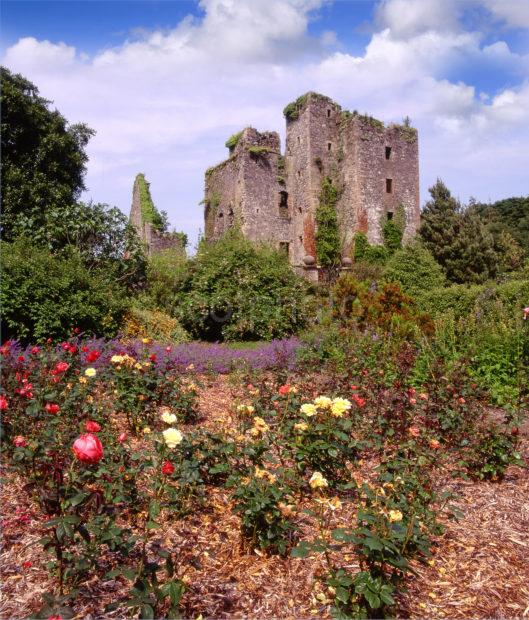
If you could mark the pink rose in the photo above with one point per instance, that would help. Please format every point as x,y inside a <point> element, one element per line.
<point>20,442</point>
<point>88,449</point>
<point>122,437</point>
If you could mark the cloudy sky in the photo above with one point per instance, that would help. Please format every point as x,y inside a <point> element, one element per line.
<point>164,83</point>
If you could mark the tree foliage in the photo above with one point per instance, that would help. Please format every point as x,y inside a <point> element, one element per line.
<point>43,157</point>
<point>457,238</point>
<point>510,215</point>
<point>43,295</point>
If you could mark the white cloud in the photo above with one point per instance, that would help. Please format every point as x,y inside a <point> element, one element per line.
<point>165,102</point>
<point>514,13</point>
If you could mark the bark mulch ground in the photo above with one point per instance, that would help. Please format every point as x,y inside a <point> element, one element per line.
<point>480,567</point>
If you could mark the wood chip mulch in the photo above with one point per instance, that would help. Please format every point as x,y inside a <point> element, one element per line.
<point>480,567</point>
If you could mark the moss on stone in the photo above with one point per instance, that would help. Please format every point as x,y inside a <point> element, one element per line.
<point>233,140</point>
<point>149,213</point>
<point>259,150</point>
<point>292,111</point>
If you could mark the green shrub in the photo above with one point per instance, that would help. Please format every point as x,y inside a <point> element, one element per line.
<point>462,299</point>
<point>235,290</point>
<point>165,273</point>
<point>363,251</point>
<point>392,234</point>
<point>43,295</point>
<point>415,269</point>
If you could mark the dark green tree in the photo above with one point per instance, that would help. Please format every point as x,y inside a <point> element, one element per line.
<point>456,238</point>
<point>510,215</point>
<point>43,157</point>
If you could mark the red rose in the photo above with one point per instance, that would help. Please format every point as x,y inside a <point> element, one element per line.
<point>88,449</point>
<point>92,427</point>
<point>284,389</point>
<point>56,617</point>
<point>3,402</point>
<point>354,387</point>
<point>35,350</point>
<point>167,468</point>
<point>413,401</point>
<point>76,330</point>
<point>27,564</point>
<point>21,358</point>
<point>434,444</point>
<point>122,437</point>
<point>52,408</point>
<point>461,400</point>
<point>152,357</point>
<point>359,400</point>
<point>92,356</point>
<point>414,431</point>
<point>20,442</point>
<point>62,367</point>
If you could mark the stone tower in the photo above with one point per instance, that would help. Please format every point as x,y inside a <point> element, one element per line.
<point>149,223</point>
<point>274,198</point>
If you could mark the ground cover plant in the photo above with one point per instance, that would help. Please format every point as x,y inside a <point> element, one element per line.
<point>340,459</point>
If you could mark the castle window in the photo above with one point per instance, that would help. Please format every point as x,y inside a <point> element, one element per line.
<point>221,214</point>
<point>329,146</point>
<point>284,246</point>
<point>299,174</point>
<point>388,152</point>
<point>301,239</point>
<point>299,140</point>
<point>283,204</point>
<point>389,186</point>
<point>390,215</point>
<point>328,114</point>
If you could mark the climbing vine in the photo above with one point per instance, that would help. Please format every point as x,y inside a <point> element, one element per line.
<point>328,246</point>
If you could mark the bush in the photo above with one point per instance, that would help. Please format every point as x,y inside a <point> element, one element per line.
<point>235,290</point>
<point>43,295</point>
<point>363,251</point>
<point>153,324</point>
<point>165,272</point>
<point>462,299</point>
<point>415,269</point>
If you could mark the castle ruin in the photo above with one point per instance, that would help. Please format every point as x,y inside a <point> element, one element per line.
<point>274,197</point>
<point>149,223</point>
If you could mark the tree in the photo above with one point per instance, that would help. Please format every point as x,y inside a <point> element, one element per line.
<point>510,215</point>
<point>43,157</point>
<point>415,269</point>
<point>456,238</point>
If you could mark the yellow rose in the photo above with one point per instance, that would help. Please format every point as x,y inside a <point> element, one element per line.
<point>83,380</point>
<point>260,425</point>
<point>167,416</point>
<point>301,426</point>
<point>308,409</point>
<point>172,437</point>
<point>334,503</point>
<point>323,402</point>
<point>339,406</point>
<point>146,431</point>
<point>90,372</point>
<point>317,481</point>
<point>145,340</point>
<point>395,515</point>
<point>116,359</point>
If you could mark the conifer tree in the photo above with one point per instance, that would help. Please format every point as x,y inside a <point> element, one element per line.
<point>457,239</point>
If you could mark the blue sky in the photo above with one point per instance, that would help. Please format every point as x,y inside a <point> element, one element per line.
<point>164,83</point>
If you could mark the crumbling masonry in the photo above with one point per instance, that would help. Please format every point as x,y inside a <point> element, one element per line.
<point>274,197</point>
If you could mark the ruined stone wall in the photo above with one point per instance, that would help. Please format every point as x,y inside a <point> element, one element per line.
<point>154,240</point>
<point>321,141</point>
<point>245,190</point>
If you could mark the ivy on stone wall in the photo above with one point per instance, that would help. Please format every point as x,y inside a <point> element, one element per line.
<point>328,246</point>
<point>149,213</point>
